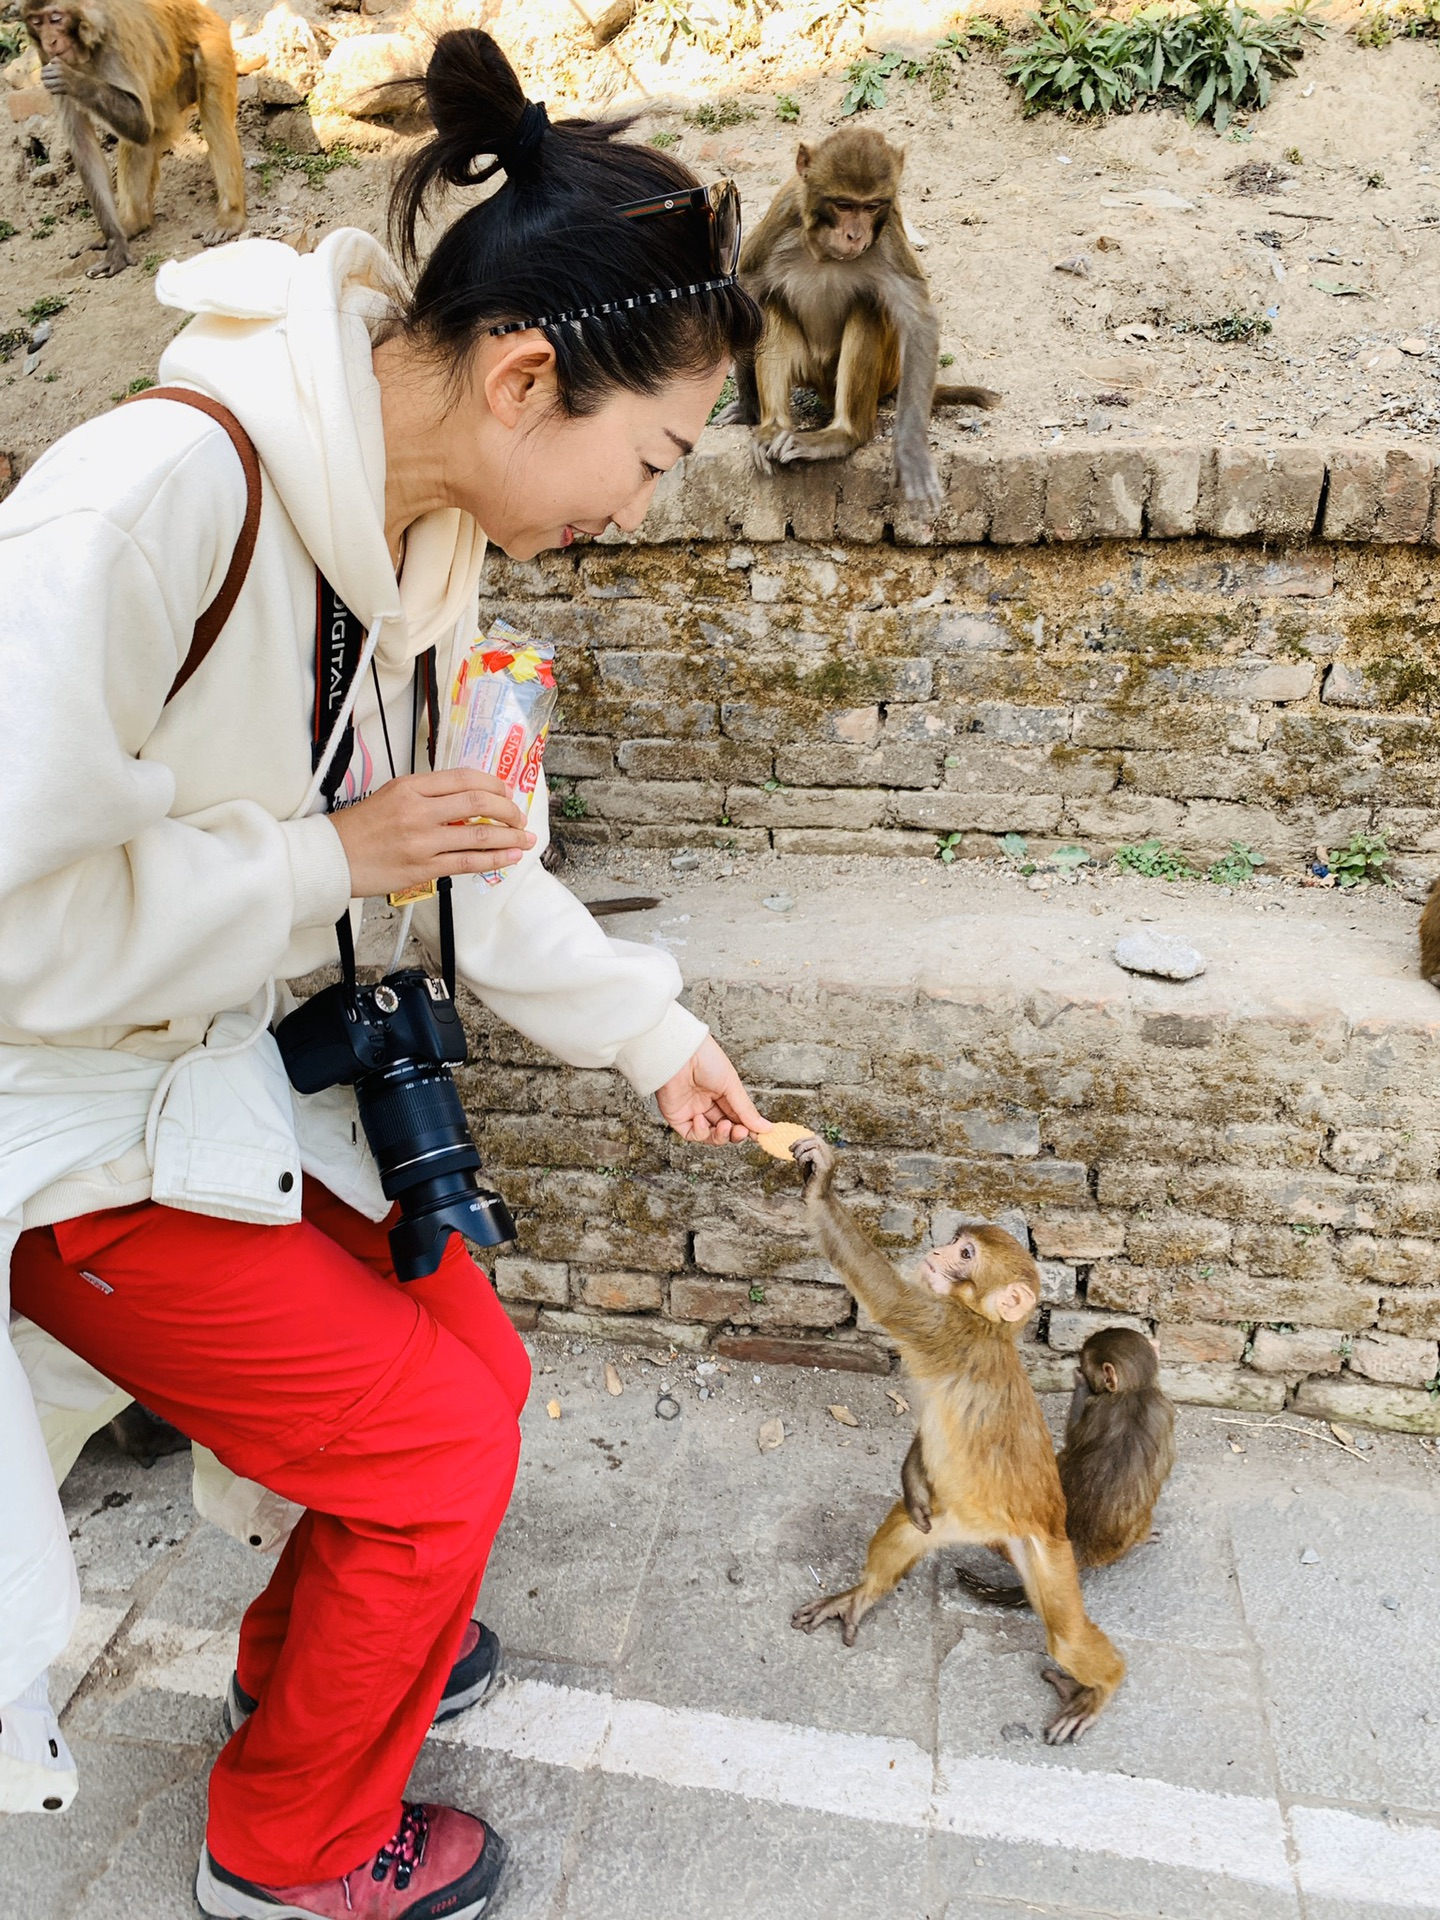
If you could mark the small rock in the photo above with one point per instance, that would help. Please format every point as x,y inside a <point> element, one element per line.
<point>1309,1558</point>
<point>1414,345</point>
<point>685,862</point>
<point>552,1407</point>
<point>1158,954</point>
<point>40,335</point>
<point>779,903</point>
<point>294,130</point>
<point>32,360</point>
<point>1016,1730</point>
<point>46,175</point>
<point>1389,1601</point>
<point>613,1383</point>
<point>843,1415</point>
<point>1039,882</point>
<point>771,1435</point>
<point>736,1576</point>
<point>1078,264</point>
<point>1385,361</point>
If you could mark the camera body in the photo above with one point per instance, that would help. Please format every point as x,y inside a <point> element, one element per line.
<point>395,1042</point>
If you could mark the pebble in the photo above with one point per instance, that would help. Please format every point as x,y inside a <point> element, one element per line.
<point>40,335</point>
<point>1389,1601</point>
<point>779,903</point>
<point>1309,1558</point>
<point>1158,954</point>
<point>32,360</point>
<point>685,862</point>
<point>1078,264</point>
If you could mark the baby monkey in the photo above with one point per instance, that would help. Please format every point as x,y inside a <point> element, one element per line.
<point>988,1463</point>
<point>1119,1449</point>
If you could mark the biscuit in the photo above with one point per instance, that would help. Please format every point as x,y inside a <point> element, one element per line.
<point>778,1141</point>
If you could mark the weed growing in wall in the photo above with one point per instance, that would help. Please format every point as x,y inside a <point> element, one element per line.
<point>1152,862</point>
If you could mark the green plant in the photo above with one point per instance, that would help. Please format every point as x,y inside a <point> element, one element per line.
<point>725,397</point>
<point>867,77</point>
<point>1237,867</point>
<point>1363,862</point>
<point>1294,157</point>
<point>1069,859</point>
<point>947,847</point>
<point>151,263</point>
<point>947,360</point>
<point>1014,845</point>
<point>140,385</point>
<point>1151,860</point>
<point>1229,328</point>
<point>573,804</point>
<point>1374,27</point>
<point>757,1296</point>
<point>664,141</point>
<point>787,108</point>
<point>833,1134</point>
<point>1419,23</point>
<point>8,230</point>
<point>938,68</point>
<point>715,116</point>
<point>45,226</point>
<point>1077,62</point>
<point>314,166</point>
<point>45,308</point>
<point>12,339</point>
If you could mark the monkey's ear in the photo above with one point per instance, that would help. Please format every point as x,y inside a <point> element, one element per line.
<point>803,158</point>
<point>1111,1377</point>
<point>1014,1303</point>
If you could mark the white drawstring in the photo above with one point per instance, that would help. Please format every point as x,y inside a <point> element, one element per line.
<point>262,1025</point>
<point>401,938</point>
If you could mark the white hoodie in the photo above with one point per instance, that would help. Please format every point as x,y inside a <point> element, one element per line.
<point>154,876</point>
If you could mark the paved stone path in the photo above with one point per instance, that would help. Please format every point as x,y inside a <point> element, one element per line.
<point>666,1746</point>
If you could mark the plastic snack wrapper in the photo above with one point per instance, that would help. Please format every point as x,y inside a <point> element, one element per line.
<point>496,720</point>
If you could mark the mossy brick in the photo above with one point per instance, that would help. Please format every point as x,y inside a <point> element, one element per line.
<point>1070,1328</point>
<point>635,1330</point>
<point>627,1290</point>
<point>731,1251</point>
<point>1236,1388</point>
<point>1119,1286</point>
<point>1379,493</point>
<point>850,807</point>
<point>1095,494</point>
<point>543,1282</point>
<point>790,1063</point>
<point>866,489</point>
<point>897,764</point>
<point>575,757</point>
<point>1017,497</point>
<point>1395,1359</point>
<point>1250,491</point>
<point>1283,1252</point>
<point>955,811</point>
<point>1173,494</point>
<point>655,801</point>
<point>842,843</point>
<point>1121,818</point>
<point>606,1243</point>
<point>1229,1293</point>
<point>1391,1263</point>
<point>780,1304</point>
<point>1062,1234</point>
<point>688,761</point>
<point>1363,1404</point>
<point>966,514</point>
<point>1199,1343</point>
<point>1414,1313</point>
<point>1059,1283</point>
<point>1174,1239</point>
<point>1295,1352</point>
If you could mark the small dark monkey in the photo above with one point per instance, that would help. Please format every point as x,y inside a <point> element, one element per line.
<point>1119,1449</point>
<point>134,68</point>
<point>988,1460</point>
<point>1430,938</point>
<point>847,313</point>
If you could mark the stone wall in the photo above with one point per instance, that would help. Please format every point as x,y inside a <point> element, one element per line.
<point>844,692</point>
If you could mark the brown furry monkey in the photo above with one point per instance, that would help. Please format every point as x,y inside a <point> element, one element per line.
<point>847,313</point>
<point>1119,1449</point>
<point>1430,938</point>
<point>989,1462</point>
<point>134,68</point>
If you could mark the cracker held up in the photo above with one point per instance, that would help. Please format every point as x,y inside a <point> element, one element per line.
<point>778,1141</point>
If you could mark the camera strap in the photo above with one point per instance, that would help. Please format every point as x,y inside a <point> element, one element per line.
<point>339,644</point>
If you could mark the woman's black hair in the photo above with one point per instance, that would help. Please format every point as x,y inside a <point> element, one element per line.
<point>549,240</point>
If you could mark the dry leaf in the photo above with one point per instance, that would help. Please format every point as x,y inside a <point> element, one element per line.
<point>771,1435</point>
<point>844,1416</point>
<point>613,1383</point>
<point>902,1405</point>
<point>1235,1447</point>
<point>1342,1433</point>
<point>552,1407</point>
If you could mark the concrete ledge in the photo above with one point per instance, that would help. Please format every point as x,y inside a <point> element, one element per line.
<point>1246,1164</point>
<point>1021,495</point>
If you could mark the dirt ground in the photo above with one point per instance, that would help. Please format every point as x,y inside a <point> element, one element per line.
<point>1144,204</point>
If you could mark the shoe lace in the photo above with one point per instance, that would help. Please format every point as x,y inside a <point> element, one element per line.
<point>406,1851</point>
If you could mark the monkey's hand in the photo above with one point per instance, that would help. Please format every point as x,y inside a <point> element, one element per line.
<point>117,259</point>
<point>918,1509</point>
<point>55,77</point>
<point>1079,1708</point>
<point>767,447</point>
<point>817,1162</point>
<point>849,1608</point>
<point>919,482</point>
<point>736,414</point>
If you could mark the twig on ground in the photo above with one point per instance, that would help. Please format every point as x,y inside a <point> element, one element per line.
<point>1274,1424</point>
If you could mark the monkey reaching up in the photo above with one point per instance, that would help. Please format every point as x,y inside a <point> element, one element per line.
<point>988,1462</point>
<point>135,68</point>
<point>847,313</point>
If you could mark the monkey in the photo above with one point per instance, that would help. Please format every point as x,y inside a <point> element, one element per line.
<point>847,312</point>
<point>134,68</point>
<point>1430,938</point>
<point>1119,1449</point>
<point>989,1463</point>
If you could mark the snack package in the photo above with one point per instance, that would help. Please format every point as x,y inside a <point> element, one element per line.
<point>497,719</point>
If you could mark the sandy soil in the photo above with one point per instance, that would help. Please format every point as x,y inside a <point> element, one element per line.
<point>1000,201</point>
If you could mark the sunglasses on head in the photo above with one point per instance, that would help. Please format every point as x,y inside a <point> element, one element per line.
<point>718,204</point>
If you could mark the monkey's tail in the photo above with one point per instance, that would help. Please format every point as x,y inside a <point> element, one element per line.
<point>998,1593</point>
<point>985,397</point>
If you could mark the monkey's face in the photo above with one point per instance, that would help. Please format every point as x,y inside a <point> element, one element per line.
<point>53,29</point>
<point>845,229</point>
<point>992,1277</point>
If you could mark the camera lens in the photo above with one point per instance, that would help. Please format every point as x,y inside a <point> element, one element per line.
<point>413,1119</point>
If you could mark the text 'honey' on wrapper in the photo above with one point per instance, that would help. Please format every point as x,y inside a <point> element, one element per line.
<point>497,720</point>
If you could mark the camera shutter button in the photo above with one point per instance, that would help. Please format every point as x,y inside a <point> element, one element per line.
<point>287,1181</point>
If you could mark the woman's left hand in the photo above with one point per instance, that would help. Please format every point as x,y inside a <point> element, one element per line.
<point>705,1100</point>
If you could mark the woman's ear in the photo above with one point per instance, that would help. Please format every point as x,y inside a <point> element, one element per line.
<point>519,378</point>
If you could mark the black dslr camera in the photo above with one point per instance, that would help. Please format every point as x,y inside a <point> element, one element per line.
<point>395,1042</point>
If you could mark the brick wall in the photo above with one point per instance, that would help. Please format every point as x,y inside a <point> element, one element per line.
<point>858,695</point>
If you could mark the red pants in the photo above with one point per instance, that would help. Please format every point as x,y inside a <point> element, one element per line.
<point>390,1412</point>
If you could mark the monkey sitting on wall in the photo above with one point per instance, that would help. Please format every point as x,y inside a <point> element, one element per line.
<point>135,68</point>
<point>988,1460</point>
<point>1118,1453</point>
<point>847,313</point>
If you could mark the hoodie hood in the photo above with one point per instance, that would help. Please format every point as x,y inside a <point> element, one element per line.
<point>284,340</point>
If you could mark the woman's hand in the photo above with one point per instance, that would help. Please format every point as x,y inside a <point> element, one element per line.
<point>705,1100</point>
<point>423,825</point>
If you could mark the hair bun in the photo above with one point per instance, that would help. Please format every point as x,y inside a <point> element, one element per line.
<point>477,104</point>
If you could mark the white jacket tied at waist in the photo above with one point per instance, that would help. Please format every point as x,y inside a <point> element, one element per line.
<point>161,863</point>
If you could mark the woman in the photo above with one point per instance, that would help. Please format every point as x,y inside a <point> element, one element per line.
<point>166,858</point>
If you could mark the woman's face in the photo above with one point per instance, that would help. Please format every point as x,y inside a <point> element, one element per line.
<point>534,478</point>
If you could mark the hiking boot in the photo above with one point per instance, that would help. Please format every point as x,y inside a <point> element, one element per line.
<point>471,1678</point>
<point>441,1863</point>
